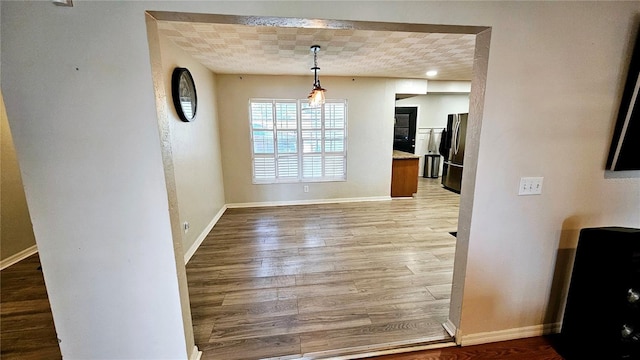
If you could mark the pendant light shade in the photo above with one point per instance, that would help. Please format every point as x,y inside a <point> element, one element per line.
<point>316,97</point>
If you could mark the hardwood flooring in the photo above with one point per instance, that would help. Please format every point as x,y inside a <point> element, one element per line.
<point>317,280</point>
<point>536,348</point>
<point>26,328</point>
<point>26,323</point>
<point>325,280</point>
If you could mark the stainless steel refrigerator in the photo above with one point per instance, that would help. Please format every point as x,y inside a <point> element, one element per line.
<point>453,151</point>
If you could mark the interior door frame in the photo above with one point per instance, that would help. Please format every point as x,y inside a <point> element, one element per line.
<point>415,127</point>
<point>476,107</point>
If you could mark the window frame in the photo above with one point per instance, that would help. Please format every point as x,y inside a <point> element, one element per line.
<point>299,154</point>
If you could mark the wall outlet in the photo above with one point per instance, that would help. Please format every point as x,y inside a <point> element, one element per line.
<point>185,226</point>
<point>530,186</point>
<point>306,188</point>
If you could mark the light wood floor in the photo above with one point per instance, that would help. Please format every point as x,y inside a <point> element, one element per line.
<point>340,276</point>
<point>323,280</point>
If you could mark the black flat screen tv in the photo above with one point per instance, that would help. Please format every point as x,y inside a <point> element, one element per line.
<point>624,153</point>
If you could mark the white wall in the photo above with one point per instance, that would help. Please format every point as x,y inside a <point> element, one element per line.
<point>80,103</point>
<point>195,147</point>
<point>433,110</point>
<point>92,169</point>
<point>369,136</point>
<point>449,87</point>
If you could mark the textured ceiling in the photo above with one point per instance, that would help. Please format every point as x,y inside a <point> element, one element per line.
<point>242,49</point>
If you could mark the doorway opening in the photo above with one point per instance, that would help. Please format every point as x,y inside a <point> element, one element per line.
<point>482,37</point>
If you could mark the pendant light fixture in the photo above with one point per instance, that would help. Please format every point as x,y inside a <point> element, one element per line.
<point>316,97</point>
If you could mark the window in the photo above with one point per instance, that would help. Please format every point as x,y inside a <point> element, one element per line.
<point>292,142</point>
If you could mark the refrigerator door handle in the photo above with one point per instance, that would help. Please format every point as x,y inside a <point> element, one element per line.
<point>453,164</point>
<point>456,134</point>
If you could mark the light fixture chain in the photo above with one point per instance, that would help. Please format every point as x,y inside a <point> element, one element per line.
<point>316,97</point>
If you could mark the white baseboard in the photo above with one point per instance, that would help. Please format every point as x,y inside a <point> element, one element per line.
<point>203,235</point>
<point>307,202</point>
<point>452,330</point>
<point>510,334</point>
<point>18,257</point>
<point>196,354</point>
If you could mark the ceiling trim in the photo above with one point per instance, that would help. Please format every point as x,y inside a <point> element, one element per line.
<point>314,23</point>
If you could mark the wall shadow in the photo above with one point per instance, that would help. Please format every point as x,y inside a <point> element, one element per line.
<point>565,256</point>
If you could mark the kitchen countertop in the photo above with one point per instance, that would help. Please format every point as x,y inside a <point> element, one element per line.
<point>401,155</point>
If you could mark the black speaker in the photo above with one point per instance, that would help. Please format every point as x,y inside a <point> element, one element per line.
<point>602,316</point>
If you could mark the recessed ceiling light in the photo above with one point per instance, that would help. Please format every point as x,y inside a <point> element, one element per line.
<point>432,73</point>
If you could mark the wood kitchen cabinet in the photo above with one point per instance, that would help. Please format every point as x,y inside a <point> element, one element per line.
<point>404,175</point>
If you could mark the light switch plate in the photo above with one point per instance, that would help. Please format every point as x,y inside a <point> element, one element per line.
<point>530,186</point>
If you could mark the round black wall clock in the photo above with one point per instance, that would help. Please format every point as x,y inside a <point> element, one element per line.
<point>184,95</point>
